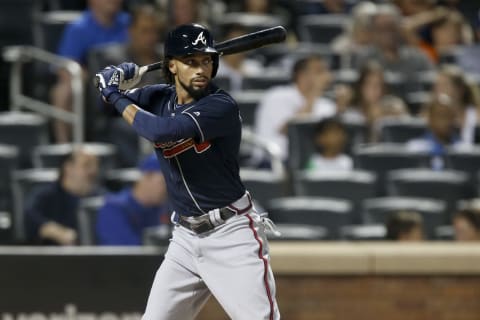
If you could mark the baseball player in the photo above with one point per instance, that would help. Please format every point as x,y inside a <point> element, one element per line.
<point>218,244</point>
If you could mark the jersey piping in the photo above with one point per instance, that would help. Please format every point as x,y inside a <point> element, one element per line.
<point>186,186</point>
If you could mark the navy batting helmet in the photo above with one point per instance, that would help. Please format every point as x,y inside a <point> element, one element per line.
<point>187,40</point>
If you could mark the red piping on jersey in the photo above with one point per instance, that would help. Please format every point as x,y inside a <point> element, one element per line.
<point>265,264</point>
<point>241,211</point>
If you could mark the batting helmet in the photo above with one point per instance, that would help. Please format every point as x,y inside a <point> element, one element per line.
<point>187,40</point>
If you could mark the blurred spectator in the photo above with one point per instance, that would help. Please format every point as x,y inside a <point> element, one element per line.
<point>126,214</point>
<point>441,132</point>
<point>236,66</point>
<point>405,226</point>
<point>185,12</point>
<point>400,60</point>
<point>467,56</point>
<point>303,98</point>
<point>330,139</point>
<point>370,100</point>
<point>324,7</point>
<point>414,7</point>
<point>450,81</point>
<point>445,31</point>
<point>466,225</point>
<point>51,210</point>
<point>142,48</point>
<point>358,33</point>
<point>101,23</point>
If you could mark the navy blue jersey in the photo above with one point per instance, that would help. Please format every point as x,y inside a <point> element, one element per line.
<point>197,145</point>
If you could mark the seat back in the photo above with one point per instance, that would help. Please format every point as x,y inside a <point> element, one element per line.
<point>24,181</point>
<point>331,214</point>
<point>383,157</point>
<point>433,212</point>
<point>349,185</point>
<point>87,219</point>
<point>321,28</point>
<point>8,163</point>
<point>25,131</point>
<point>401,130</point>
<point>263,185</point>
<point>447,185</point>
<point>52,155</point>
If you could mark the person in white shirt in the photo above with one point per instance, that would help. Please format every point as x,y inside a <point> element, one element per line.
<point>303,98</point>
<point>330,139</point>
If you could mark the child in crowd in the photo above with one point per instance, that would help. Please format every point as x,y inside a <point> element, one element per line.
<point>330,139</point>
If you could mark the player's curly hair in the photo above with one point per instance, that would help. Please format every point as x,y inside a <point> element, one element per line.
<point>167,74</point>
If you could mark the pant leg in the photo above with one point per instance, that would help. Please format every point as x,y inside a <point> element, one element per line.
<point>236,268</point>
<point>177,291</point>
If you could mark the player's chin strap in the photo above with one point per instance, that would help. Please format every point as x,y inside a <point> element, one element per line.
<point>268,224</point>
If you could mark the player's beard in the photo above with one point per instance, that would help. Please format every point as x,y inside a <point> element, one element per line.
<point>196,94</point>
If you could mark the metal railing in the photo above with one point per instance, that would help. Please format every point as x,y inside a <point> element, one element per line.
<point>18,55</point>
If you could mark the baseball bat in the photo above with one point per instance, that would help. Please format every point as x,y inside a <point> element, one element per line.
<point>243,43</point>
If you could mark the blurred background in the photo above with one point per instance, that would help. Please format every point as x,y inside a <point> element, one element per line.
<point>361,130</point>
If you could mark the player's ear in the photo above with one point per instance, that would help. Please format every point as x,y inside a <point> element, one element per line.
<point>172,66</point>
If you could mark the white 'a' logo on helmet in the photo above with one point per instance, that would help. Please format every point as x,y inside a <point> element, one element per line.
<point>200,38</point>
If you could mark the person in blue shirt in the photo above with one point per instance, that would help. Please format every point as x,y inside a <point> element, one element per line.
<point>103,22</point>
<point>125,215</point>
<point>218,244</point>
<point>441,133</point>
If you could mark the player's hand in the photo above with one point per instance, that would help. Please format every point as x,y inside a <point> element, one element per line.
<point>109,80</point>
<point>132,75</point>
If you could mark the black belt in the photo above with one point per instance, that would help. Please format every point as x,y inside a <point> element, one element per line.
<point>203,223</point>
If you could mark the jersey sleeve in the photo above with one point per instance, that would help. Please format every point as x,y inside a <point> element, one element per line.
<point>214,116</point>
<point>142,97</point>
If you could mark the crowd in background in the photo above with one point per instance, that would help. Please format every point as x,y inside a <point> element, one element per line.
<point>393,60</point>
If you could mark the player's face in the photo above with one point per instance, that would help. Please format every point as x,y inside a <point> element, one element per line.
<point>193,74</point>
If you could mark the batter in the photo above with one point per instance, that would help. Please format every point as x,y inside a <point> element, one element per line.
<point>218,245</point>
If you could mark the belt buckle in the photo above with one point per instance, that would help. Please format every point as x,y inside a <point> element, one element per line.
<point>199,226</point>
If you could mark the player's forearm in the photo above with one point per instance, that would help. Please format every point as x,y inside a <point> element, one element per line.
<point>148,125</point>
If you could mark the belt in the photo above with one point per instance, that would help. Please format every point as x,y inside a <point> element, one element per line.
<point>204,222</point>
<point>213,218</point>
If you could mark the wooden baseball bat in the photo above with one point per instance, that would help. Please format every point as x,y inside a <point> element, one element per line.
<point>243,43</point>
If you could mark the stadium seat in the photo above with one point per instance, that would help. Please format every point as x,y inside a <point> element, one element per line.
<point>24,181</point>
<point>349,185</point>
<point>157,236</point>
<point>321,28</point>
<point>87,219</point>
<point>329,213</point>
<point>247,102</point>
<point>51,156</point>
<point>467,160</point>
<point>223,82</point>
<point>117,179</point>
<point>298,232</point>
<point>6,232</point>
<point>447,185</point>
<point>401,130</point>
<point>363,232</point>
<point>8,163</point>
<point>265,81</point>
<point>445,233</point>
<point>263,185</point>
<point>383,157</point>
<point>433,212</point>
<point>25,131</point>
<point>49,26</point>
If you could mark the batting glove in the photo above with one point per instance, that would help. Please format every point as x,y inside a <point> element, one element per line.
<point>132,75</point>
<point>109,80</point>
